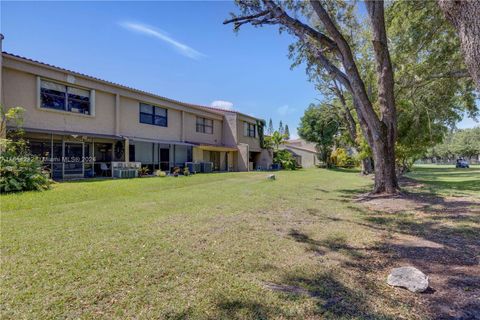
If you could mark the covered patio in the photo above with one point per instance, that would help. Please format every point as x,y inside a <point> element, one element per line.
<point>158,154</point>
<point>221,157</point>
<point>73,155</point>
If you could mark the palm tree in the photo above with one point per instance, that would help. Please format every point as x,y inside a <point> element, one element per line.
<point>278,139</point>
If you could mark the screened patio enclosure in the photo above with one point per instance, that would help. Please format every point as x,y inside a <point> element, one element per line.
<point>159,155</point>
<point>73,155</point>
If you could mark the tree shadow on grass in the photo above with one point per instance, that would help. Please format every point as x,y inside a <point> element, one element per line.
<point>332,300</point>
<point>469,186</point>
<point>452,267</point>
<point>438,235</point>
<point>244,309</point>
<point>329,296</point>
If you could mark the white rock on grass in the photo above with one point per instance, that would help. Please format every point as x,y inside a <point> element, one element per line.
<point>271,177</point>
<point>408,277</point>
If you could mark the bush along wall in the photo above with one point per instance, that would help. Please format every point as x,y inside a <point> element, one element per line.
<point>285,159</point>
<point>19,169</point>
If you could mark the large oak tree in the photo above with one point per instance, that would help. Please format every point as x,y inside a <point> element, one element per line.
<point>331,49</point>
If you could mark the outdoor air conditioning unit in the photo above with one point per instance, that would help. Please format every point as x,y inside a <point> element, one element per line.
<point>193,167</point>
<point>207,167</point>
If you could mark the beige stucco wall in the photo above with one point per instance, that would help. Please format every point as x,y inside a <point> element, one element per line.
<point>309,159</point>
<point>130,123</point>
<point>254,143</point>
<point>20,89</point>
<point>242,158</point>
<point>265,159</point>
<point>229,133</point>
<point>197,155</point>
<point>191,134</point>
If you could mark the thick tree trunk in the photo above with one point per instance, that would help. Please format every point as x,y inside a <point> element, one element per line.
<point>380,133</point>
<point>385,173</point>
<point>465,17</point>
<point>367,166</point>
<point>385,145</point>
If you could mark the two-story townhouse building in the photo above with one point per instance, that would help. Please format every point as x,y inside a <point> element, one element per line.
<point>80,124</point>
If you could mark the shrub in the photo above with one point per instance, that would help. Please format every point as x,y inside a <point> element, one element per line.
<point>285,159</point>
<point>143,171</point>
<point>176,171</point>
<point>340,158</point>
<point>160,173</point>
<point>186,172</point>
<point>20,171</point>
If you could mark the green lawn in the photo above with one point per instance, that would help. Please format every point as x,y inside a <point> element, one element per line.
<point>208,246</point>
<point>448,180</point>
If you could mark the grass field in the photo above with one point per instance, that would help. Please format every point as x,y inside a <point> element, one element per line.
<point>231,245</point>
<point>448,180</point>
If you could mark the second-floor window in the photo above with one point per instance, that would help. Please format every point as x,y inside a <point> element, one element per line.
<point>61,97</point>
<point>249,129</point>
<point>153,115</point>
<point>204,125</point>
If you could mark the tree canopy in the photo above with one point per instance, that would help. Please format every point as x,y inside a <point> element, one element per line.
<point>432,88</point>
<point>397,73</point>
<point>320,124</point>
<point>458,143</point>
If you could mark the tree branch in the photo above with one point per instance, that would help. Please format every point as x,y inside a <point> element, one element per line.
<point>457,74</point>
<point>292,23</point>
<point>274,14</point>
<point>351,124</point>
<point>356,84</point>
<point>238,21</point>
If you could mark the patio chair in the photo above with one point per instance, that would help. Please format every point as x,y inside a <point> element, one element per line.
<point>104,168</point>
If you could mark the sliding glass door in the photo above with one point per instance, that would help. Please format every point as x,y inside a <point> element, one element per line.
<point>73,159</point>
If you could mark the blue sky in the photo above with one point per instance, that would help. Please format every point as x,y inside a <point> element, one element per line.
<point>180,50</point>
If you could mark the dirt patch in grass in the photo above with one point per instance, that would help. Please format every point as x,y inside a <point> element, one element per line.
<point>439,235</point>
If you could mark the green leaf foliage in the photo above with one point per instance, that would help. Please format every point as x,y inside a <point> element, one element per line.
<point>430,95</point>
<point>320,124</point>
<point>285,159</point>
<point>20,171</point>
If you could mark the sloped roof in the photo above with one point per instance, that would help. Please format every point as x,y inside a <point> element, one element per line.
<point>218,110</point>
<point>301,144</point>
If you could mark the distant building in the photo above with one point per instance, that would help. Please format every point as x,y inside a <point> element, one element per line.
<point>305,153</point>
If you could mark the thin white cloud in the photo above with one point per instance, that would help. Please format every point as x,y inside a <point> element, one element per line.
<point>150,31</point>
<point>285,110</point>
<point>222,104</point>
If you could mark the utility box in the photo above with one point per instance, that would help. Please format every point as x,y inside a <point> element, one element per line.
<point>194,167</point>
<point>207,167</point>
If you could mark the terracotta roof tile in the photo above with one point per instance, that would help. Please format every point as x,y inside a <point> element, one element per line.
<point>117,84</point>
